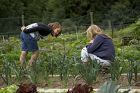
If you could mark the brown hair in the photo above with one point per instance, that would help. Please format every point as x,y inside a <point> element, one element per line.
<point>55,25</point>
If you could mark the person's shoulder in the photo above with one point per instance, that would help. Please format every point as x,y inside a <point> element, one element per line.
<point>43,25</point>
<point>40,23</point>
<point>99,36</point>
<point>31,25</point>
<point>103,36</point>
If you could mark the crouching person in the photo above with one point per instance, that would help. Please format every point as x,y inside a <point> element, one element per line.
<point>100,47</point>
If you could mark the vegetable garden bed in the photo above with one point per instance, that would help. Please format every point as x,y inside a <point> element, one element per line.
<point>56,85</point>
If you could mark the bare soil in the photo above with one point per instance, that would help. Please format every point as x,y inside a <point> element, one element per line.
<point>55,82</point>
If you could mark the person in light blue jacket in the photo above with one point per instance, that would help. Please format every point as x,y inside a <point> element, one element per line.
<point>100,47</point>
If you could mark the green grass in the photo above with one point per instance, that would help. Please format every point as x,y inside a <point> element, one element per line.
<point>131,30</point>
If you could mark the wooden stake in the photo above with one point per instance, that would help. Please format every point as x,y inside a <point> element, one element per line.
<point>23,24</point>
<point>91,17</point>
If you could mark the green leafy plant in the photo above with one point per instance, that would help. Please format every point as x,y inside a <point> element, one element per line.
<point>89,71</point>
<point>130,72</point>
<point>21,72</point>
<point>115,70</point>
<point>9,89</point>
<point>108,87</point>
<point>6,72</point>
<point>34,73</point>
<point>133,69</point>
<point>38,73</point>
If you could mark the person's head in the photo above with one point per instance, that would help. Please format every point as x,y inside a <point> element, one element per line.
<point>56,27</point>
<point>92,31</point>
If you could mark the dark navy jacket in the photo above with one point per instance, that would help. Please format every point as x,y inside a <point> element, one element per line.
<point>42,29</point>
<point>102,47</point>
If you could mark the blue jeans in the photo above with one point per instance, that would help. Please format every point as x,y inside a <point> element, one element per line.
<point>28,43</point>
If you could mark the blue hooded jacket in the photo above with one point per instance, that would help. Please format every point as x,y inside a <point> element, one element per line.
<point>102,47</point>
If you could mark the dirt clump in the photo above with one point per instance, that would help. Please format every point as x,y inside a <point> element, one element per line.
<point>81,88</point>
<point>27,88</point>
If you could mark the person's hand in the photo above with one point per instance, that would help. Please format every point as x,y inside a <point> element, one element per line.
<point>22,28</point>
<point>91,41</point>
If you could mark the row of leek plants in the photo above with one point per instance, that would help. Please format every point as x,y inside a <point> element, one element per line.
<point>11,72</point>
<point>64,65</point>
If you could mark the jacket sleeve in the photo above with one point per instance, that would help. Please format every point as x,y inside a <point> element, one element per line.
<point>95,45</point>
<point>36,27</point>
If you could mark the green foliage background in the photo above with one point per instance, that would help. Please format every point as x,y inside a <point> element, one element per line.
<point>75,10</point>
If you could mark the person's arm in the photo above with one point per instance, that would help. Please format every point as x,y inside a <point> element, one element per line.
<point>22,28</point>
<point>36,27</point>
<point>94,45</point>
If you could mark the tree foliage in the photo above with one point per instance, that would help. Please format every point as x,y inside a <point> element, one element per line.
<point>76,10</point>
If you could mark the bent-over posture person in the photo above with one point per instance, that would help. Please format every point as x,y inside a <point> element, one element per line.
<point>31,34</point>
<point>100,47</point>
